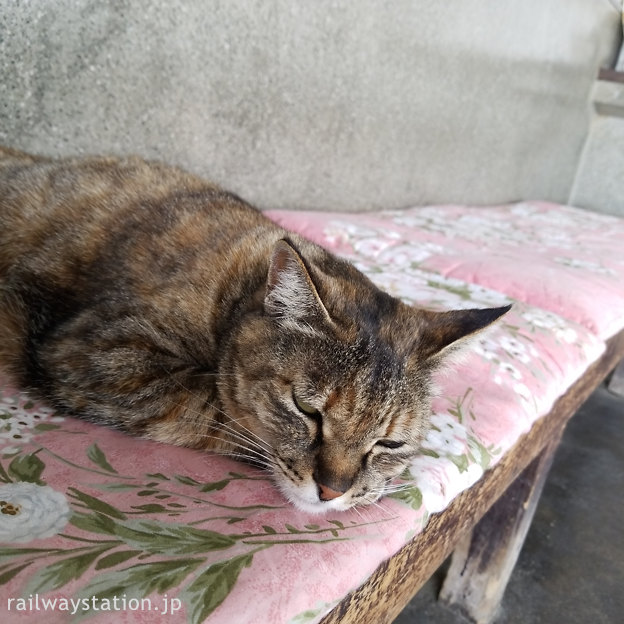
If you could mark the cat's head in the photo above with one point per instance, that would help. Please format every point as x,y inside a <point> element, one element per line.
<point>330,381</point>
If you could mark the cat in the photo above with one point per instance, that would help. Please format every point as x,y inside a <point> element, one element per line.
<point>138,296</point>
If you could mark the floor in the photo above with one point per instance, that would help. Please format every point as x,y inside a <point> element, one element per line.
<point>571,568</point>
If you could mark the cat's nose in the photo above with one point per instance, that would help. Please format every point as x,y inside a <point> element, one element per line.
<point>327,494</point>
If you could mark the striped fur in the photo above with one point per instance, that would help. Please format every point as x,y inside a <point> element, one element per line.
<point>135,295</point>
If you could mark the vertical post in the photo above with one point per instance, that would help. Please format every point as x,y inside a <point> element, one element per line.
<point>616,383</point>
<point>484,560</point>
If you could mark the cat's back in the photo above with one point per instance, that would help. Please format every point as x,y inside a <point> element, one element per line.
<point>140,238</point>
<point>42,199</point>
<point>68,210</point>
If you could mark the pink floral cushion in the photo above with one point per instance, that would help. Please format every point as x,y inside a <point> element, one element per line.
<point>104,526</point>
<point>562,259</point>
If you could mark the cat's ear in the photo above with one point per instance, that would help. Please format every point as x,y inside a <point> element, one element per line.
<point>443,333</point>
<point>291,295</point>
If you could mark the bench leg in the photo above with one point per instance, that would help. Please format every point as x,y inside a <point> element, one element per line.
<point>484,560</point>
<point>616,383</point>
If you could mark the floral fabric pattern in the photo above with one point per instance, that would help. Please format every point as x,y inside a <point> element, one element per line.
<point>31,511</point>
<point>558,258</point>
<point>104,527</point>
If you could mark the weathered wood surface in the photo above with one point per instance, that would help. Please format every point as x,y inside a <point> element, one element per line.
<point>382,597</point>
<point>484,559</point>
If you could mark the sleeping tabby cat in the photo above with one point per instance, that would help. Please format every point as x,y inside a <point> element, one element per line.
<point>135,295</point>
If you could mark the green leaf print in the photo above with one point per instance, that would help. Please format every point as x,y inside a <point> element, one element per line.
<point>43,427</point>
<point>8,574</point>
<point>7,552</point>
<point>96,504</point>
<point>116,558</point>
<point>116,487</point>
<point>184,480</point>
<point>27,468</point>
<point>461,291</point>
<point>311,615</point>
<point>93,523</point>
<point>212,587</point>
<point>411,496</point>
<point>158,475</point>
<point>95,454</point>
<point>170,539</point>
<point>139,580</point>
<point>151,508</point>
<point>217,485</point>
<point>461,461</point>
<point>480,453</point>
<point>63,571</point>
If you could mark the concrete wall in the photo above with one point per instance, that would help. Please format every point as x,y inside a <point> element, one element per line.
<point>599,183</point>
<point>315,104</point>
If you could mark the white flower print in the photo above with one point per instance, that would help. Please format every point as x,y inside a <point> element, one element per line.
<point>440,480</point>
<point>486,348</point>
<point>30,511</point>
<point>567,334</point>
<point>347,232</point>
<point>19,419</point>
<point>430,478</point>
<point>523,391</point>
<point>371,247</point>
<point>446,436</point>
<point>587,265</point>
<point>556,325</point>
<point>343,231</point>
<point>507,370</point>
<point>515,348</point>
<point>409,253</point>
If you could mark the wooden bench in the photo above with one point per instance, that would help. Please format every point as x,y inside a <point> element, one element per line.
<point>484,527</point>
<point>92,514</point>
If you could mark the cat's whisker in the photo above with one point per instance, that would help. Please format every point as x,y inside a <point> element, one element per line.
<point>399,487</point>
<point>241,436</point>
<point>378,502</point>
<point>234,434</point>
<point>236,446</point>
<point>212,406</point>
<point>386,513</point>
<point>368,513</point>
<point>360,512</point>
<point>238,435</point>
<point>200,418</point>
<point>236,438</point>
<point>246,430</point>
<point>257,456</point>
<point>242,456</point>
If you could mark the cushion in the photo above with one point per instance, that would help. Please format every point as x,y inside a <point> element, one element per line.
<point>559,258</point>
<point>129,526</point>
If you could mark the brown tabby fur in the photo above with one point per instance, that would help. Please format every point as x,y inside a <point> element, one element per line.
<point>135,295</point>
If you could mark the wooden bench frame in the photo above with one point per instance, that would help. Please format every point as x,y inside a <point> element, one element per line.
<point>484,527</point>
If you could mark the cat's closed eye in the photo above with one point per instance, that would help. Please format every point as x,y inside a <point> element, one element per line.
<point>305,408</point>
<point>390,444</point>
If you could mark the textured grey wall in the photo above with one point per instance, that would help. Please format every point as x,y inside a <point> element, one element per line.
<point>325,104</point>
<point>599,182</point>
